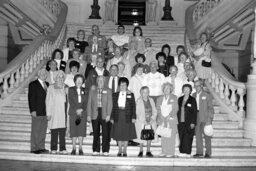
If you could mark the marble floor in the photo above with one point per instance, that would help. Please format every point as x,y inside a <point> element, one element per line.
<point>11,165</point>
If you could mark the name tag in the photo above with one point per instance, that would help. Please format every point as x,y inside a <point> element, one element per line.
<point>93,75</point>
<point>189,105</point>
<point>171,100</point>
<point>104,92</point>
<point>129,96</point>
<point>203,98</point>
<point>82,92</point>
<point>99,38</point>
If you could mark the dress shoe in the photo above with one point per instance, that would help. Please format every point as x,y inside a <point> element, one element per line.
<point>124,154</point>
<point>35,152</point>
<point>95,153</point>
<point>119,154</point>
<point>149,154</point>
<point>198,155</point>
<point>140,154</point>
<point>170,156</point>
<point>63,152</point>
<point>73,152</point>
<point>132,143</point>
<point>81,152</point>
<point>44,151</point>
<point>161,155</point>
<point>53,152</point>
<point>207,156</point>
<point>105,154</point>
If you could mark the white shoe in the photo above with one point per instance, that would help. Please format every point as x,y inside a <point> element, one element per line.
<point>170,156</point>
<point>95,153</point>
<point>53,152</point>
<point>64,152</point>
<point>182,155</point>
<point>105,154</point>
<point>161,155</point>
<point>188,156</point>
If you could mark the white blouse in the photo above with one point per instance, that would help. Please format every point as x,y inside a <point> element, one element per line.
<point>122,99</point>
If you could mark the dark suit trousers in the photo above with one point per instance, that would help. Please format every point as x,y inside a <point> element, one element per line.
<point>96,133</point>
<point>55,134</point>
<point>186,138</point>
<point>199,140</point>
<point>38,133</point>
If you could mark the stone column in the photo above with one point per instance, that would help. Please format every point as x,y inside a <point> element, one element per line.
<point>95,10</point>
<point>110,11</point>
<point>3,44</point>
<point>250,119</point>
<point>151,12</point>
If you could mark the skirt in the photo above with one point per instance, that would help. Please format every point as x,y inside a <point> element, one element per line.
<point>202,72</point>
<point>77,130</point>
<point>121,130</point>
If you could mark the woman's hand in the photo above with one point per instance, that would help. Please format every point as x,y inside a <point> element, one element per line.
<point>133,120</point>
<point>112,121</point>
<point>192,126</point>
<point>79,112</point>
<point>49,118</point>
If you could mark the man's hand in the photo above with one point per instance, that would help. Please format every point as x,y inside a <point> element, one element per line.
<point>107,118</point>
<point>49,118</point>
<point>133,120</point>
<point>192,126</point>
<point>33,114</point>
<point>112,121</point>
<point>89,119</point>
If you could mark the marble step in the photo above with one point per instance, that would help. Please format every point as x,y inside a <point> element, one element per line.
<point>218,133</point>
<point>216,124</point>
<point>156,150</point>
<point>124,163</point>
<point>27,118</point>
<point>216,141</point>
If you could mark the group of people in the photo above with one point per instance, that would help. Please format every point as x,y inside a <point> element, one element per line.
<point>122,86</point>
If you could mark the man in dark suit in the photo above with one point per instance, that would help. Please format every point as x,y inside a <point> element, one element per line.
<point>112,81</point>
<point>204,117</point>
<point>99,70</point>
<point>99,108</point>
<point>36,98</point>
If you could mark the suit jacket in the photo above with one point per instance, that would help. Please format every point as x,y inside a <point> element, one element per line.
<point>73,101</point>
<point>92,105</point>
<point>130,107</point>
<point>92,76</point>
<point>62,65</point>
<point>89,67</point>
<point>160,118</point>
<point>206,111</point>
<point>190,110</point>
<point>36,98</point>
<point>107,83</point>
<point>101,41</point>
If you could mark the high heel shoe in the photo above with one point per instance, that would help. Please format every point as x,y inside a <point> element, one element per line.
<point>73,152</point>
<point>81,152</point>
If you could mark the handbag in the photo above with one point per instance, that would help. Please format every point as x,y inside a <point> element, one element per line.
<point>147,134</point>
<point>164,131</point>
<point>78,120</point>
<point>206,64</point>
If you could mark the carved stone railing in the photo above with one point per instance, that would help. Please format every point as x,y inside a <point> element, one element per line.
<point>53,6</point>
<point>23,68</point>
<point>203,8</point>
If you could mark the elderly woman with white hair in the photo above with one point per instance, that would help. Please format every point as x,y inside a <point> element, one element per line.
<point>154,81</point>
<point>56,115</point>
<point>167,108</point>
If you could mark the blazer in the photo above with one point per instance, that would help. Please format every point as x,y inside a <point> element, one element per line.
<point>107,83</point>
<point>130,107</point>
<point>36,98</point>
<point>206,111</point>
<point>140,110</point>
<point>190,110</point>
<point>73,101</point>
<point>92,76</point>
<point>92,105</point>
<point>89,67</point>
<point>172,100</point>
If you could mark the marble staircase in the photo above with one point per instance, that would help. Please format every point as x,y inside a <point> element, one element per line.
<point>229,146</point>
<point>159,34</point>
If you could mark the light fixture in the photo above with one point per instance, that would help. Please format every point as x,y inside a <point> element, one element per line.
<point>134,12</point>
<point>135,23</point>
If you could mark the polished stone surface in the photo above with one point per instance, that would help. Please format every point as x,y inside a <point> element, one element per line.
<point>11,165</point>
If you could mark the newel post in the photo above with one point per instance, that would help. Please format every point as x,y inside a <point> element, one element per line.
<point>250,118</point>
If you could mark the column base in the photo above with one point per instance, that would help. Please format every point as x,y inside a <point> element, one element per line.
<point>94,21</point>
<point>250,130</point>
<point>167,23</point>
<point>151,23</point>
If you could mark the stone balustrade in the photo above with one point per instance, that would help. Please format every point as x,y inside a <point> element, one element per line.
<point>203,8</point>
<point>17,74</point>
<point>53,6</point>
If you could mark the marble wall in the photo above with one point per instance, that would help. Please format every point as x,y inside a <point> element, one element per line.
<point>80,10</point>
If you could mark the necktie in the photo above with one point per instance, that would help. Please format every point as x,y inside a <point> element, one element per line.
<point>45,86</point>
<point>113,85</point>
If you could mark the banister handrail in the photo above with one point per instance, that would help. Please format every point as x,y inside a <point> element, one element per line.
<point>226,90</point>
<point>22,57</point>
<point>24,67</point>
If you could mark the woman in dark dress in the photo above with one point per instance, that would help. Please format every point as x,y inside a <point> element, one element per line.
<point>187,115</point>
<point>123,117</point>
<point>77,97</point>
<point>162,66</point>
<point>169,59</point>
<point>57,55</point>
<point>80,42</point>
